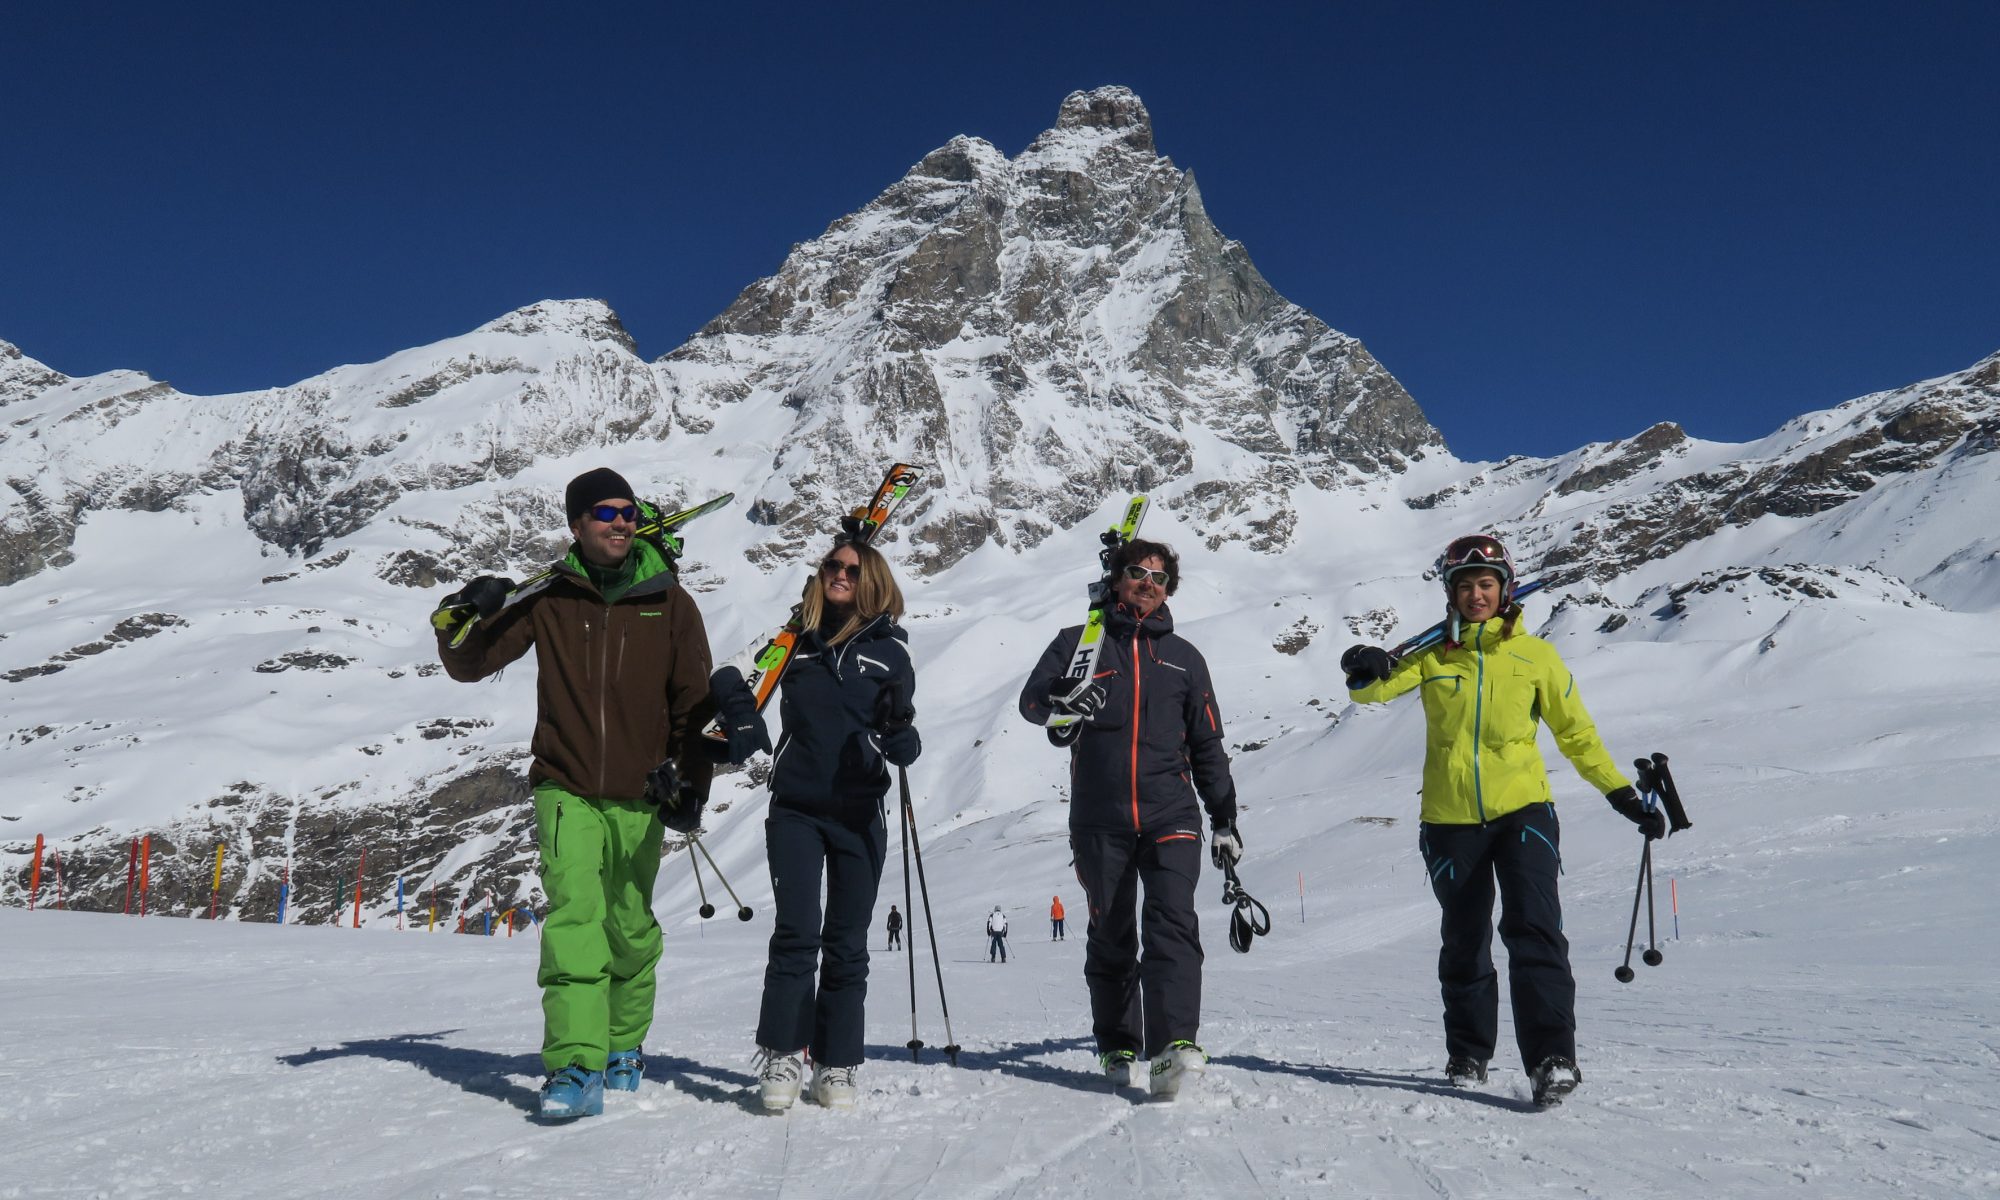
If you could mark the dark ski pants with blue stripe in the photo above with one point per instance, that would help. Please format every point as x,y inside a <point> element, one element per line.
<point>816,980</point>
<point>1519,853</point>
<point>1141,1003</point>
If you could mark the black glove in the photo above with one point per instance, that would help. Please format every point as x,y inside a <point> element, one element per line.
<point>486,593</point>
<point>736,706</point>
<point>1365,665</point>
<point>1225,845</point>
<point>1651,821</point>
<point>900,745</point>
<point>679,805</point>
<point>1085,703</point>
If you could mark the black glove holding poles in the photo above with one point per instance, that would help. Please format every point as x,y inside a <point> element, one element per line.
<point>1365,665</point>
<point>895,727</point>
<point>680,807</point>
<point>1651,821</point>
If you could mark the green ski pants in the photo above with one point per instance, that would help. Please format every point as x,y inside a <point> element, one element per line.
<point>600,942</point>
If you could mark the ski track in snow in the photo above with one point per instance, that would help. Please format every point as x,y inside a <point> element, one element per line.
<point>1824,1026</point>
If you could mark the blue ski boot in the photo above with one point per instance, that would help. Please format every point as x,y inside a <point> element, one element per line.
<point>573,1092</point>
<point>623,1070</point>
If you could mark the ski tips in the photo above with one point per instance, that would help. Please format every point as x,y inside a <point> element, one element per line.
<point>860,526</point>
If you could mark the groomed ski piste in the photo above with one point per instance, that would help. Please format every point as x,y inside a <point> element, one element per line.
<point>1823,1024</point>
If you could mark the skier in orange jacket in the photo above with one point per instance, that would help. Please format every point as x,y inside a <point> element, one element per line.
<point>1055,919</point>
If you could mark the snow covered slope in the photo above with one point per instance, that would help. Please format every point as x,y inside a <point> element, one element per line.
<point>1822,1022</point>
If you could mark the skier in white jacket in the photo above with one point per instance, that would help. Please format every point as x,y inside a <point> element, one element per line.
<point>996,934</point>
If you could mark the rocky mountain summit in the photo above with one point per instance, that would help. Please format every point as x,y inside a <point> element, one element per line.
<point>1048,329</point>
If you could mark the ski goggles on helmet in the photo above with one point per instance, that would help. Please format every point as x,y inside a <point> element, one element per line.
<point>1476,550</point>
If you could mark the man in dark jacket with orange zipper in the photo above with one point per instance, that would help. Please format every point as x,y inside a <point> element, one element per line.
<point>1149,742</point>
<point>623,668</point>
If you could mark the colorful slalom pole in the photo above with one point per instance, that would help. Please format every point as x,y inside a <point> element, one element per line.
<point>360,870</point>
<point>145,869</point>
<point>215,888</point>
<point>399,904</point>
<point>35,877</point>
<point>131,874</point>
<point>1674,895</point>
<point>285,891</point>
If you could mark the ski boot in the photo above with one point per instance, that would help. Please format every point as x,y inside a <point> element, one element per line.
<point>833,1087</point>
<point>1464,1072</point>
<point>1119,1067</point>
<point>623,1070</point>
<point>572,1092</point>
<point>778,1077</point>
<point>1554,1079</point>
<point>1179,1064</point>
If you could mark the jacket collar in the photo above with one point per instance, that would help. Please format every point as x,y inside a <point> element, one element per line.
<point>1122,622</point>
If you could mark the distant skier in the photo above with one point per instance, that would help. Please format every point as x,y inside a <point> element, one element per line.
<point>1149,744</point>
<point>845,706</point>
<point>996,936</point>
<point>1488,815</point>
<point>1055,919</point>
<point>601,726</point>
<point>895,929</point>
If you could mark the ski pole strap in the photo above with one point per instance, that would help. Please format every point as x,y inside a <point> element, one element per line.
<point>1247,918</point>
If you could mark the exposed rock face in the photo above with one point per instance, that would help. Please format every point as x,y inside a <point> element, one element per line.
<point>1048,330</point>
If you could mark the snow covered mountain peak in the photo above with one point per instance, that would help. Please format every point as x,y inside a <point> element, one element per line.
<point>1045,330</point>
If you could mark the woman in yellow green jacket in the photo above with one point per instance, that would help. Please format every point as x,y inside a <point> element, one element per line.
<point>1488,817</point>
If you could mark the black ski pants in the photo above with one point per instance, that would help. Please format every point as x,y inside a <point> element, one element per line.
<point>816,979</point>
<point>1141,1002</point>
<point>1520,853</point>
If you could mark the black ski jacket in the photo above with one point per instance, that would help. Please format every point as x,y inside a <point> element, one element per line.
<point>827,761</point>
<point>1156,743</point>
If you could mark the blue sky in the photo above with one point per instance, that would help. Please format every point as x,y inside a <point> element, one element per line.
<point>1554,223</point>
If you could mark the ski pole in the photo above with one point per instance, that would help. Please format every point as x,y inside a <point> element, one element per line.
<point>1624,972</point>
<point>916,1044</point>
<point>930,928</point>
<point>707,910</point>
<point>743,912</point>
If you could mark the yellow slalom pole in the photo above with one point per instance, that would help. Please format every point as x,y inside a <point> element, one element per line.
<point>215,889</point>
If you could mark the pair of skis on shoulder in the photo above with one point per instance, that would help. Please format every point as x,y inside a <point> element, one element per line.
<point>1090,644</point>
<point>662,531</point>
<point>763,662</point>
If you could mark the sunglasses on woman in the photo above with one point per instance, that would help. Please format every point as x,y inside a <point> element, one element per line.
<point>605,514</point>
<point>1136,573</point>
<point>836,568</point>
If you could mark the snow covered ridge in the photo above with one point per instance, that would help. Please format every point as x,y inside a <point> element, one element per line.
<point>211,624</point>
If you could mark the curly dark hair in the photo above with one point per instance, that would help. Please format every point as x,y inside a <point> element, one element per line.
<point>1139,550</point>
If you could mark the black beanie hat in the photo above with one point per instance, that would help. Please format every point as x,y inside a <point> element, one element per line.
<point>592,486</point>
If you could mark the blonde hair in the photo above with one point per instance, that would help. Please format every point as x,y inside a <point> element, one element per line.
<point>875,593</point>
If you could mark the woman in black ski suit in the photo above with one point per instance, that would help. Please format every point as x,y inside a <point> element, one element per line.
<point>844,711</point>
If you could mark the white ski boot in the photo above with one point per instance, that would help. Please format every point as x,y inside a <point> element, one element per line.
<point>1178,1066</point>
<point>778,1077</point>
<point>833,1087</point>
<point>1119,1067</point>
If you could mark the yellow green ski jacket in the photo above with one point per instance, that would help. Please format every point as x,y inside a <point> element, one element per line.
<point>1481,702</point>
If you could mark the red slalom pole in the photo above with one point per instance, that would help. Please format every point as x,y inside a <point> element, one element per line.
<point>1674,894</point>
<point>131,875</point>
<point>35,877</point>
<point>145,869</point>
<point>359,871</point>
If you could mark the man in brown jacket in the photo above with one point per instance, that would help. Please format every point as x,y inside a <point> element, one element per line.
<point>623,668</point>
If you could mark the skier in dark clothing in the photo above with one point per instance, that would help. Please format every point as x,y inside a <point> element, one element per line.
<point>601,727</point>
<point>1488,818</point>
<point>1148,745</point>
<point>843,705</point>
<point>895,929</point>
